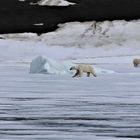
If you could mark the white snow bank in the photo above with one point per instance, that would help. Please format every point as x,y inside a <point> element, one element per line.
<point>53,3</point>
<point>49,66</point>
<point>118,33</point>
<point>20,36</point>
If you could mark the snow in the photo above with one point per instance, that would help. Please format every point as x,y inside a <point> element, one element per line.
<point>53,3</point>
<point>22,0</point>
<point>57,106</point>
<point>96,34</point>
<point>50,66</point>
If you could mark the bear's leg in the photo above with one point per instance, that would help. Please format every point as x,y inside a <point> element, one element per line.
<point>77,73</point>
<point>135,64</point>
<point>88,74</point>
<point>80,73</point>
<point>93,73</point>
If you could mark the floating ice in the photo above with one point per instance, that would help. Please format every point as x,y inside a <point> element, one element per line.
<point>50,66</point>
<point>45,65</point>
<point>22,0</point>
<point>53,3</point>
<point>38,24</point>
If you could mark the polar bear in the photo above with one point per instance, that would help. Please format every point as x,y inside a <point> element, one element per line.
<point>80,69</point>
<point>136,62</point>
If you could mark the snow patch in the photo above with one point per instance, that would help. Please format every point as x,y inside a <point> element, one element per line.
<point>38,24</point>
<point>53,3</point>
<point>20,36</point>
<point>22,0</point>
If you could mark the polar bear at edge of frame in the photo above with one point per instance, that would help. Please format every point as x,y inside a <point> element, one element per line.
<point>136,62</point>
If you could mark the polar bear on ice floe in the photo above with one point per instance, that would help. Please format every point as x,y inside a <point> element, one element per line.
<point>80,69</point>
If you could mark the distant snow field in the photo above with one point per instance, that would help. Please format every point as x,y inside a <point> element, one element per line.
<point>53,3</point>
<point>40,99</point>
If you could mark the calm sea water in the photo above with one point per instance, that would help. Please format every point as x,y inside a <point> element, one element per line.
<point>42,107</point>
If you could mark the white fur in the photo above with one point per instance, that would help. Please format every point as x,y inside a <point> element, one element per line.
<point>83,68</point>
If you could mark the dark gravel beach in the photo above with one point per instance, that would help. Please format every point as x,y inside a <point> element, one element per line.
<point>19,16</point>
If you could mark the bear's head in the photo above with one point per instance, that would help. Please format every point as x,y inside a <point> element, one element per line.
<point>73,68</point>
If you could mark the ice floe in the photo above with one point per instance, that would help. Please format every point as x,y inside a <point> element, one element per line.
<point>53,3</point>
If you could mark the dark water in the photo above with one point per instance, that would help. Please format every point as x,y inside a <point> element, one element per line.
<point>17,17</point>
<point>41,107</point>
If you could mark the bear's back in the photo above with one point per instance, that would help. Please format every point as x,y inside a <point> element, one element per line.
<point>85,67</point>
